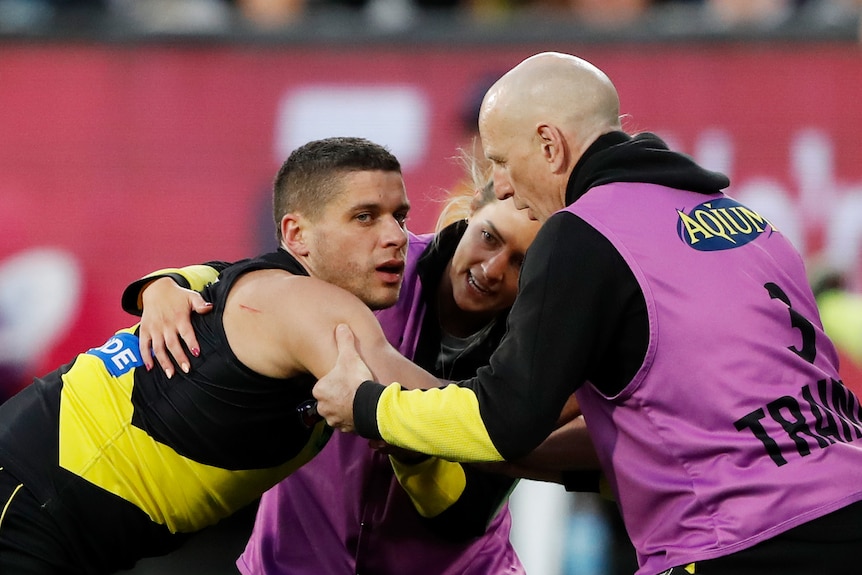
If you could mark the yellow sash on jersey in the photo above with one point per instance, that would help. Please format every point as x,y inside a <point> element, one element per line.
<point>99,443</point>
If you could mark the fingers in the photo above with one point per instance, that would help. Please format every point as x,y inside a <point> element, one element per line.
<point>329,406</point>
<point>348,355</point>
<point>161,341</point>
<point>344,339</point>
<point>183,327</point>
<point>155,345</point>
<point>144,346</point>
<point>335,391</point>
<point>199,305</point>
<point>166,325</point>
<point>175,349</point>
<point>187,333</point>
<point>163,358</point>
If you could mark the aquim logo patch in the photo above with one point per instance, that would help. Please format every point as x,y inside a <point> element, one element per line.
<point>720,224</point>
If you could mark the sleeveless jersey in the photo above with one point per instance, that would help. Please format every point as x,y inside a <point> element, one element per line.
<point>125,457</point>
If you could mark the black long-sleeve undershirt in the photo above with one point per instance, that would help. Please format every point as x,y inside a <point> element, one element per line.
<point>580,314</point>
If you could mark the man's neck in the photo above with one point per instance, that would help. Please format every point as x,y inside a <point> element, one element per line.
<point>300,259</point>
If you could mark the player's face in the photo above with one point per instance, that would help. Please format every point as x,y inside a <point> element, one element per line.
<point>360,241</point>
<point>487,263</point>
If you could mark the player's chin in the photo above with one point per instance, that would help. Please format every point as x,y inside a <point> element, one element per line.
<point>384,297</point>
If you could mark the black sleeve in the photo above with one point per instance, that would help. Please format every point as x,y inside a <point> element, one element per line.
<point>582,480</point>
<point>579,315</point>
<point>575,294</point>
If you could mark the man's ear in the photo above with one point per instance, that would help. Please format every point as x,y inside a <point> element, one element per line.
<point>293,231</point>
<point>554,148</point>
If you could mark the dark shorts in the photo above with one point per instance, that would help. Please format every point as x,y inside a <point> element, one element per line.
<point>29,544</point>
<point>828,545</point>
<point>77,529</point>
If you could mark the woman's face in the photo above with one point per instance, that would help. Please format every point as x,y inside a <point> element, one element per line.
<point>487,263</point>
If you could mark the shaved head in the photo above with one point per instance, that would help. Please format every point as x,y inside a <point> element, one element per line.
<point>561,89</point>
<point>536,122</point>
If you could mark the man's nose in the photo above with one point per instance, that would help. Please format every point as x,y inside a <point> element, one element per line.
<point>502,186</point>
<point>394,233</point>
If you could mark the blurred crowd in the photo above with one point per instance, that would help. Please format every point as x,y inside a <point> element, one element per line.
<point>192,16</point>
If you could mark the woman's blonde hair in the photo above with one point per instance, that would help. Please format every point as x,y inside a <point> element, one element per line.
<point>466,199</point>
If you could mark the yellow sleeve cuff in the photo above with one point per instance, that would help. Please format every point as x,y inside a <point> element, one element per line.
<point>433,485</point>
<point>442,421</point>
<point>198,276</point>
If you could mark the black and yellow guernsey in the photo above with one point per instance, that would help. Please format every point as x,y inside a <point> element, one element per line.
<point>127,461</point>
<point>457,502</point>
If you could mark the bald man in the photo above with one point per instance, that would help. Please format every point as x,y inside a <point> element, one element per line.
<point>685,325</point>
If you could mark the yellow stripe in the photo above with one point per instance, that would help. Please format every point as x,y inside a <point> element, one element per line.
<point>198,276</point>
<point>99,443</point>
<point>443,422</point>
<point>9,502</point>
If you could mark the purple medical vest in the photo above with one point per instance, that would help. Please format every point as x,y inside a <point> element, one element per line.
<point>349,493</point>
<point>736,427</point>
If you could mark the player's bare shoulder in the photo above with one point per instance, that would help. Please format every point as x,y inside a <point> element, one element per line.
<point>260,311</point>
<point>271,316</point>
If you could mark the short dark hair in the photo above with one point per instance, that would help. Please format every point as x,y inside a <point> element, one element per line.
<point>310,177</point>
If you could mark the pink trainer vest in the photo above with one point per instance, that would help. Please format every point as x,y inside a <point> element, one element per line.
<point>736,428</point>
<point>344,512</point>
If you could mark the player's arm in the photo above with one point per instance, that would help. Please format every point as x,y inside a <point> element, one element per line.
<point>563,317</point>
<point>194,277</point>
<point>440,421</point>
<point>457,500</point>
<point>282,325</point>
<point>165,300</point>
<point>567,456</point>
